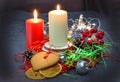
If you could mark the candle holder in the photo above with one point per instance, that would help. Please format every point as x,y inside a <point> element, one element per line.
<point>47,46</point>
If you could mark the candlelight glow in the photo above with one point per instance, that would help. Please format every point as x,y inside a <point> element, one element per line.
<point>35,14</point>
<point>58,7</point>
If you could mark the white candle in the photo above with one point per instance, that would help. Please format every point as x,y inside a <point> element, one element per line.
<point>58,27</point>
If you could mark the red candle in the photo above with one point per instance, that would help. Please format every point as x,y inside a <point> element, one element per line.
<point>34,30</point>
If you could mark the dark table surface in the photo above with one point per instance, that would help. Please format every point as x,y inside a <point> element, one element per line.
<point>12,41</point>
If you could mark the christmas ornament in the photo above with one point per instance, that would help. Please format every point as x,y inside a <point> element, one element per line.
<point>82,67</point>
<point>62,57</point>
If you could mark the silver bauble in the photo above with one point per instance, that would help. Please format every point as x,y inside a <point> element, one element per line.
<point>82,67</point>
<point>62,57</point>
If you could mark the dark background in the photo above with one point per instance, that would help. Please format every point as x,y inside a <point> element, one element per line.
<point>105,6</point>
<point>13,14</point>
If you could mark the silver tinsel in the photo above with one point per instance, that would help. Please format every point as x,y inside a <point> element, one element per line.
<point>81,24</point>
<point>82,67</point>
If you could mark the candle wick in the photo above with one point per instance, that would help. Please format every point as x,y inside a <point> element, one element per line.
<point>35,20</point>
<point>58,8</point>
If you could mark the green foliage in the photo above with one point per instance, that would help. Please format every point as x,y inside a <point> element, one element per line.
<point>89,51</point>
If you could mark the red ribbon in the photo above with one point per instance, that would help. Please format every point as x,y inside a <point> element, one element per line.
<point>38,45</point>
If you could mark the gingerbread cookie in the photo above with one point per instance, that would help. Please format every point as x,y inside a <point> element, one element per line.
<point>43,60</point>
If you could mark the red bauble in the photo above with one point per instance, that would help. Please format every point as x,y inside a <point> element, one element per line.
<point>101,42</point>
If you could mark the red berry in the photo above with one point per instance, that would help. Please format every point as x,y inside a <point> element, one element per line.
<point>84,34</point>
<point>90,34</point>
<point>64,71</point>
<point>95,30</point>
<point>101,42</point>
<point>86,31</point>
<point>100,36</point>
<point>89,42</point>
<point>74,64</point>
<point>92,30</point>
<point>96,41</point>
<point>68,67</point>
<point>101,32</point>
<point>97,35</point>
<point>82,38</point>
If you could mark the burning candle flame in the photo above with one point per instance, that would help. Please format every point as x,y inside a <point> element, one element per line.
<point>58,7</point>
<point>35,14</point>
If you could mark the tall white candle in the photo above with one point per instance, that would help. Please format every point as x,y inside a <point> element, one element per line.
<point>58,27</point>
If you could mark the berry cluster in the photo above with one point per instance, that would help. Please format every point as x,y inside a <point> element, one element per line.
<point>28,54</point>
<point>98,36</point>
<point>65,67</point>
